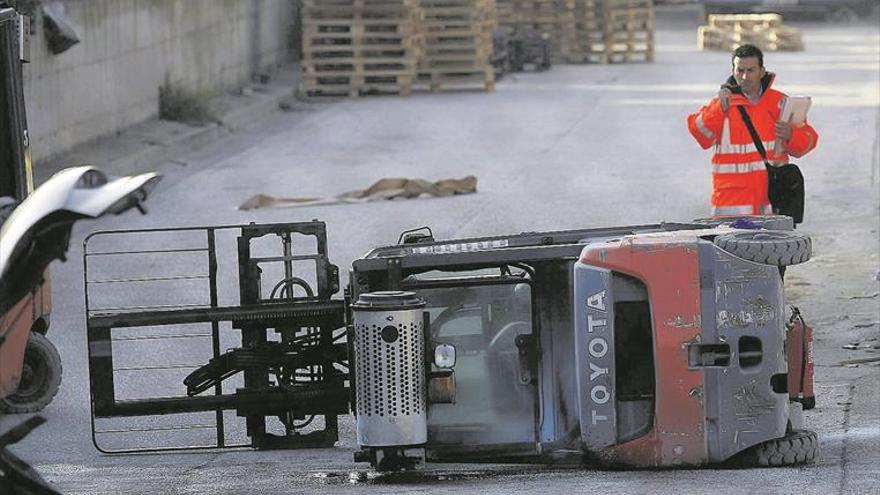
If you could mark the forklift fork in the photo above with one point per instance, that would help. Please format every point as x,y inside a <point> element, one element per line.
<point>289,364</point>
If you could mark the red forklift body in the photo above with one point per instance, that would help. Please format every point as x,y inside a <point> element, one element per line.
<point>669,268</point>
<point>718,331</point>
<point>30,313</point>
<point>15,326</point>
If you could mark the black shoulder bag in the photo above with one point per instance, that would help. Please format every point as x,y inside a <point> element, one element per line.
<point>785,183</point>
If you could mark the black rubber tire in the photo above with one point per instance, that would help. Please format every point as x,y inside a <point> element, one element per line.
<point>771,247</point>
<point>795,448</point>
<point>808,403</point>
<point>769,222</point>
<point>40,378</point>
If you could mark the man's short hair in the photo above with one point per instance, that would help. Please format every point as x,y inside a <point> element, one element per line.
<point>746,51</point>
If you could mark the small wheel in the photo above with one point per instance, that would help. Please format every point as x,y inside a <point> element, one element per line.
<point>391,459</point>
<point>771,247</point>
<point>795,448</point>
<point>808,403</point>
<point>40,378</point>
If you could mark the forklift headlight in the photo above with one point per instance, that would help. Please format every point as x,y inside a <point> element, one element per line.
<point>444,356</point>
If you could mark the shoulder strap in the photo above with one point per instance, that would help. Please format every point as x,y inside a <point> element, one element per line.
<point>755,138</point>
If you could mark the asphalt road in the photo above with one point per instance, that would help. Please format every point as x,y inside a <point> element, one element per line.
<point>578,146</point>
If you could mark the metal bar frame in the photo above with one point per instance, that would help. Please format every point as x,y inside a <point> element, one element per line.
<point>254,317</point>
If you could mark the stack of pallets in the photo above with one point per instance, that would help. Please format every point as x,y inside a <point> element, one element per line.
<point>551,19</point>
<point>505,13</point>
<point>592,31</point>
<point>628,31</point>
<point>457,44</point>
<point>784,38</point>
<point>726,32</point>
<point>587,44</point>
<point>356,47</point>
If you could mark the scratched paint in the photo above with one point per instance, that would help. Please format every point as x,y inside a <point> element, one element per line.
<point>751,403</point>
<point>761,309</point>
<point>757,312</point>
<point>730,286</point>
<point>680,322</point>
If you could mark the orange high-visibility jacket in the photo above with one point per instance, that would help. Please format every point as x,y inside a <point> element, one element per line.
<point>739,177</point>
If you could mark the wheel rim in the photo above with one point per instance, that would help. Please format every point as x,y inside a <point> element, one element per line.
<point>33,379</point>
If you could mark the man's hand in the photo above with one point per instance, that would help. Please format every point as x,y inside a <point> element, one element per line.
<point>724,98</point>
<point>783,130</point>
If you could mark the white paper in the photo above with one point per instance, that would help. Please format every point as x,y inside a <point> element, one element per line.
<point>795,109</point>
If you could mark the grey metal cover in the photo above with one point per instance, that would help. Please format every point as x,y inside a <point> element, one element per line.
<point>390,374</point>
<point>743,308</point>
<point>593,308</point>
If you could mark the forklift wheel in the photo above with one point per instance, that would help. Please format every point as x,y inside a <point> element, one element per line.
<point>795,448</point>
<point>40,378</point>
<point>771,247</point>
<point>808,403</point>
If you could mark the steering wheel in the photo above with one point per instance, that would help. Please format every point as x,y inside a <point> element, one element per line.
<point>506,337</point>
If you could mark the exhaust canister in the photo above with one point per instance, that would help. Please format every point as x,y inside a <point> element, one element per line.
<point>389,352</point>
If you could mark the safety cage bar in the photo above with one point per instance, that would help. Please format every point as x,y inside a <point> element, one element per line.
<point>157,300</point>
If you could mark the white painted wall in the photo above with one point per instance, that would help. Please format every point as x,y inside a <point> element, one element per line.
<point>129,48</point>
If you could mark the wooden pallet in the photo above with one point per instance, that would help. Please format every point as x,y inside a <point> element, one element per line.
<point>458,79</point>
<point>357,47</point>
<point>348,13</point>
<point>591,31</point>
<point>359,3</point>
<point>340,41</point>
<point>324,92</point>
<point>615,31</point>
<point>458,38</point>
<point>584,35</point>
<point>746,22</point>
<point>354,86</point>
<point>785,38</point>
<point>475,49</point>
<point>781,38</point>
<point>555,18</point>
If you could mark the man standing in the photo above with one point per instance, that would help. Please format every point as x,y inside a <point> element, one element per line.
<point>739,176</point>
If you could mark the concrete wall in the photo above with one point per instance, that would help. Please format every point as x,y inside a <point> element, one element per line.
<point>129,48</point>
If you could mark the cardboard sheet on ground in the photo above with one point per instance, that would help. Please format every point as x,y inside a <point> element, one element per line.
<point>386,188</point>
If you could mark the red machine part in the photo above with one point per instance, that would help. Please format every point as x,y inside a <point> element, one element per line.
<point>15,327</point>
<point>669,268</point>
<point>799,351</point>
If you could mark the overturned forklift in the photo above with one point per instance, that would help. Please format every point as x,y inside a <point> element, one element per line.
<point>642,346</point>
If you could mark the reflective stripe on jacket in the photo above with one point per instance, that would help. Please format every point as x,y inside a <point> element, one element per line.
<point>739,177</point>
